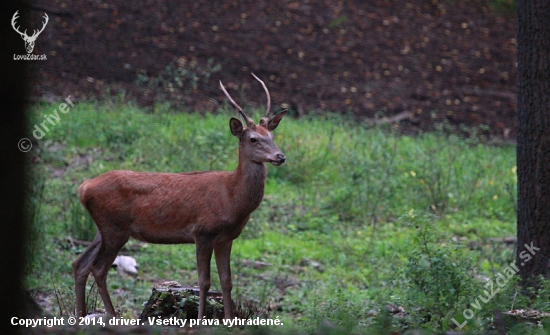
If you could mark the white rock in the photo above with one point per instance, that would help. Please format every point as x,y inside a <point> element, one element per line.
<point>126,264</point>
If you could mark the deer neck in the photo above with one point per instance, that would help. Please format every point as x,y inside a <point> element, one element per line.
<point>250,181</point>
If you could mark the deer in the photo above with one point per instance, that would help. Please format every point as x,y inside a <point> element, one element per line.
<point>29,40</point>
<point>207,208</point>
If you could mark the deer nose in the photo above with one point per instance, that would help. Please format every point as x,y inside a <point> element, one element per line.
<point>281,158</point>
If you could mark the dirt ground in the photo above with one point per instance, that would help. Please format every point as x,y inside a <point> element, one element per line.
<point>423,62</point>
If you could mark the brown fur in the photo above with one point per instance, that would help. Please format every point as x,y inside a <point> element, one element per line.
<point>209,209</point>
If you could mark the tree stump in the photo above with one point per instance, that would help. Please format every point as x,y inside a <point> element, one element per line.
<point>170,299</point>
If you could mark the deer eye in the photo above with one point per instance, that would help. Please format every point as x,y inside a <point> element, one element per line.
<point>253,140</point>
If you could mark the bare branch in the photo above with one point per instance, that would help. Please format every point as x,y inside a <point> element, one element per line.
<point>406,115</point>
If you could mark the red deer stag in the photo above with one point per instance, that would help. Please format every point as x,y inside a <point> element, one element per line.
<point>207,208</point>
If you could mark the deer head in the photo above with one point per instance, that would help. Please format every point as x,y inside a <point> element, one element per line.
<point>256,141</point>
<point>29,40</point>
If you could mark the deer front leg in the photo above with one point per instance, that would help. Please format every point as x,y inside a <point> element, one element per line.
<point>204,254</point>
<point>222,252</point>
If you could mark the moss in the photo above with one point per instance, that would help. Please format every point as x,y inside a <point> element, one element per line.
<point>182,303</point>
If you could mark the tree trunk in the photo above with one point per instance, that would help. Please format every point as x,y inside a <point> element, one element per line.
<point>533,145</point>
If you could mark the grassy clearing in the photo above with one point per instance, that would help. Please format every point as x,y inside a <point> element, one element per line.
<point>358,219</point>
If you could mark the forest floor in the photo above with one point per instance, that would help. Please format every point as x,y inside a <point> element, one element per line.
<point>414,63</point>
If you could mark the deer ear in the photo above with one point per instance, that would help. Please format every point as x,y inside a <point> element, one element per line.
<point>236,127</point>
<point>274,121</point>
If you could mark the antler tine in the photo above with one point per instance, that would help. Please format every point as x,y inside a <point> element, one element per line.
<point>249,121</point>
<point>13,22</point>
<point>268,107</point>
<point>38,32</point>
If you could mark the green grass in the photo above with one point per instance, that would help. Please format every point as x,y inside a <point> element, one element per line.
<point>356,219</point>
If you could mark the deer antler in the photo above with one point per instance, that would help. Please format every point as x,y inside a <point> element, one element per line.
<point>249,121</point>
<point>36,32</point>
<point>265,119</point>
<point>43,26</point>
<point>13,19</point>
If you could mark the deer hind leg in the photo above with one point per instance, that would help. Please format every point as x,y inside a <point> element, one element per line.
<point>222,252</point>
<point>204,255</point>
<point>106,255</point>
<point>82,267</point>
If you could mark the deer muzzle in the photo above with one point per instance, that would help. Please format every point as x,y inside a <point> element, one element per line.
<point>279,159</point>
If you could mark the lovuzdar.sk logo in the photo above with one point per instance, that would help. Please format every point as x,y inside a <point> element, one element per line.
<point>29,40</point>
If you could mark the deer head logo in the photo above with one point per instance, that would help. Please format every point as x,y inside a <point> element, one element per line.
<point>29,40</point>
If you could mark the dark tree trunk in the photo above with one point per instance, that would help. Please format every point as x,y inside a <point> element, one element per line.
<point>533,146</point>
